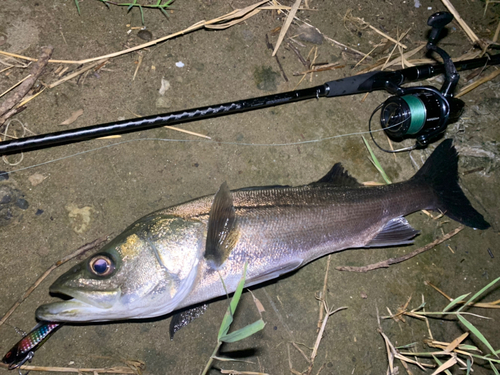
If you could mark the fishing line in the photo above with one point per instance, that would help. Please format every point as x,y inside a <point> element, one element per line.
<point>199,141</point>
<point>397,124</point>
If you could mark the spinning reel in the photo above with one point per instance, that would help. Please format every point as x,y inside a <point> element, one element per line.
<point>422,112</point>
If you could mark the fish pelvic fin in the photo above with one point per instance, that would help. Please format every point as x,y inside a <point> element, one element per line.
<point>182,318</point>
<point>222,232</point>
<point>338,176</point>
<point>440,172</point>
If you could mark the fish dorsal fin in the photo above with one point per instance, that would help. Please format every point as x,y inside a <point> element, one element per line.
<point>222,233</point>
<point>338,176</point>
<point>396,232</point>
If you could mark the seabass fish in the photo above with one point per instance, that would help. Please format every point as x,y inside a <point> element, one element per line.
<point>172,258</point>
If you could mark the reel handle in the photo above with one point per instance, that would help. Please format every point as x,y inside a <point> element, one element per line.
<point>438,21</point>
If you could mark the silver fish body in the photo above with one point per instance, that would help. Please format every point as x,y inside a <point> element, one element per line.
<point>175,257</point>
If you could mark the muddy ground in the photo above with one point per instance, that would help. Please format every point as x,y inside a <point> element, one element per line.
<point>99,187</point>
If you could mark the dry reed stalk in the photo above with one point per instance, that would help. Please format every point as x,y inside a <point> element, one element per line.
<point>286,25</point>
<point>478,83</point>
<point>472,36</point>
<point>497,31</point>
<point>349,17</point>
<point>397,42</point>
<point>29,98</point>
<point>15,85</point>
<point>188,132</point>
<point>219,23</point>
<point>485,305</point>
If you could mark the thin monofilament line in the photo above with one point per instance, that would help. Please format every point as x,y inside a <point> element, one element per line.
<point>310,141</point>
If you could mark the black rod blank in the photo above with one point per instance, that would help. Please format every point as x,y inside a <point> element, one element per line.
<point>168,119</point>
<point>378,80</point>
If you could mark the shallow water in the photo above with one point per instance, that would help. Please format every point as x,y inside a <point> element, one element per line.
<point>101,192</point>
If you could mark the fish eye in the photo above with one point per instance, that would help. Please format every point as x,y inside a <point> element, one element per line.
<point>101,265</point>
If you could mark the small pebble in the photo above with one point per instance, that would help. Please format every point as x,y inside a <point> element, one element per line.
<point>310,34</point>
<point>5,195</point>
<point>145,35</point>
<point>4,176</point>
<point>22,204</point>
<point>38,212</point>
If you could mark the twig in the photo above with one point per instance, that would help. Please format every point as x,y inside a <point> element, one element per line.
<point>139,63</point>
<point>110,370</point>
<point>79,251</point>
<point>270,46</point>
<point>323,293</point>
<point>299,56</point>
<point>388,262</point>
<point>24,87</point>
<point>75,73</point>
<point>322,330</point>
<point>321,68</point>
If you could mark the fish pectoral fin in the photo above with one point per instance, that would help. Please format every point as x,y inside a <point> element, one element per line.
<point>222,231</point>
<point>184,317</point>
<point>396,232</point>
<point>273,273</point>
<point>338,176</point>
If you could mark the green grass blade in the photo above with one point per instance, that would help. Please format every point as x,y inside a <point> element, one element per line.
<point>376,163</point>
<point>77,6</point>
<point>142,15</point>
<point>493,367</point>
<point>475,296</point>
<point>469,348</point>
<point>455,301</point>
<point>476,332</point>
<point>244,332</point>
<point>228,317</point>
<point>164,12</point>
<point>412,345</point>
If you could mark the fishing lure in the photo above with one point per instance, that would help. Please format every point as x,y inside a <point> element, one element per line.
<point>24,350</point>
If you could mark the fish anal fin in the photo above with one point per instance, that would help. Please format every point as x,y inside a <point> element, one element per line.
<point>222,231</point>
<point>273,273</point>
<point>396,232</point>
<point>338,176</point>
<point>183,318</point>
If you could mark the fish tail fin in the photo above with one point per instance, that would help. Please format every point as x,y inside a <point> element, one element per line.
<point>440,172</point>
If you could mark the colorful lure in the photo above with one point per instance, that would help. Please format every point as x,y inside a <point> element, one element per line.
<point>24,350</point>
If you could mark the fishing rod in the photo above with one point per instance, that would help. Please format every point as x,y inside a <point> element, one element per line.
<point>421,112</point>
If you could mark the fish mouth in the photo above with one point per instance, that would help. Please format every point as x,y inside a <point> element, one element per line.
<point>83,306</point>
